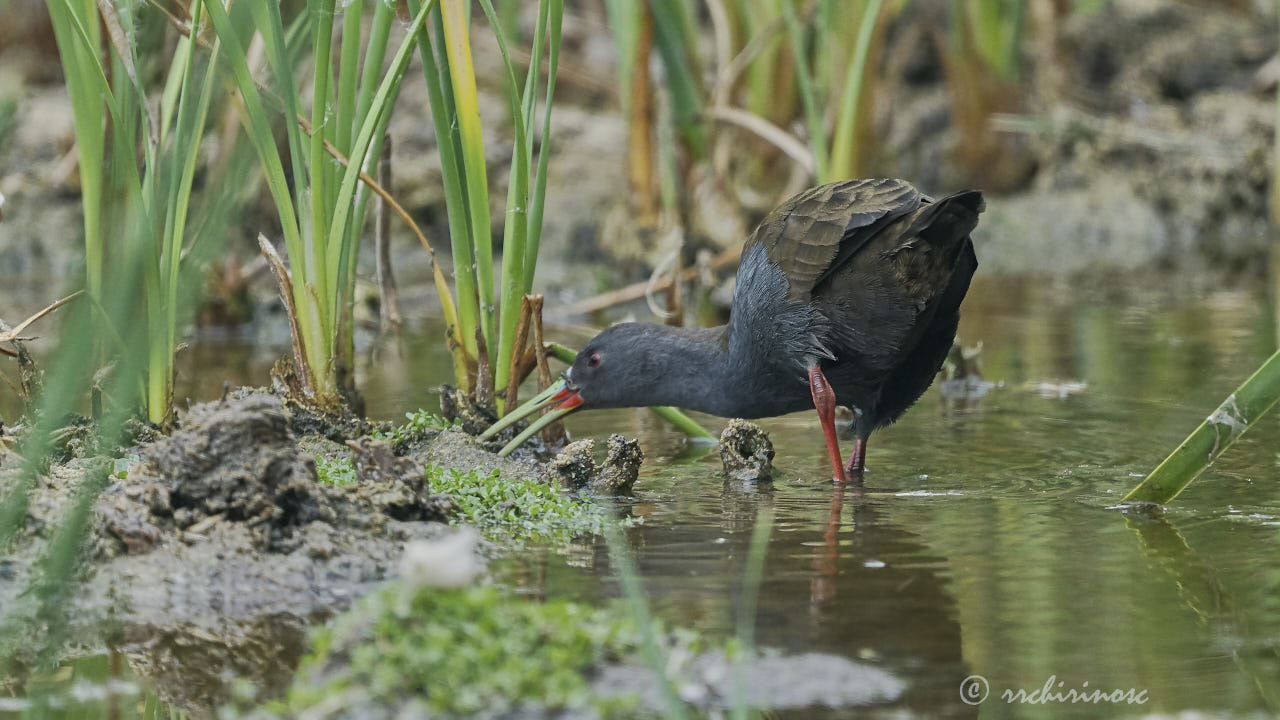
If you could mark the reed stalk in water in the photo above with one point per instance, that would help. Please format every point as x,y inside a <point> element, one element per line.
<point>1240,411</point>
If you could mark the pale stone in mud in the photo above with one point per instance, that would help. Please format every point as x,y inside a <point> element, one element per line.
<point>746,452</point>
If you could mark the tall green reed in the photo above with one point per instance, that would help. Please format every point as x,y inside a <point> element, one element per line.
<point>485,314</point>
<point>150,200</point>
<point>322,210</point>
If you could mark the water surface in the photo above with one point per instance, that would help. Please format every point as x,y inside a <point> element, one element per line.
<point>985,541</point>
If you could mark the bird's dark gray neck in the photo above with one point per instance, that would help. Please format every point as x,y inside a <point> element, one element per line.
<point>699,369</point>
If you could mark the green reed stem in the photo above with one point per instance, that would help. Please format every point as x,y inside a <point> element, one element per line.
<point>538,203</point>
<point>348,72</point>
<point>515,231</point>
<point>747,604</point>
<point>677,48</point>
<point>804,79</point>
<point>440,104</point>
<point>1240,411</point>
<point>844,149</point>
<point>457,39</point>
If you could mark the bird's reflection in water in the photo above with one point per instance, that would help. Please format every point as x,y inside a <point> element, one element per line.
<point>822,587</point>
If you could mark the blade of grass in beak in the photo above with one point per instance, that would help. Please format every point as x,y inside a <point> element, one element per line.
<point>533,429</point>
<point>533,404</point>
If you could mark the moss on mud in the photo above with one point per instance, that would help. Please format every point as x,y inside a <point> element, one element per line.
<point>459,652</point>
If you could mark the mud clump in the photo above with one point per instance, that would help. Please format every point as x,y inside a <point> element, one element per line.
<point>234,461</point>
<point>746,452</point>
<point>574,468</point>
<point>454,448</point>
<point>457,407</point>
<point>396,486</point>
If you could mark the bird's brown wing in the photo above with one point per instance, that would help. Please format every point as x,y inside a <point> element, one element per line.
<point>883,298</point>
<point>815,232</point>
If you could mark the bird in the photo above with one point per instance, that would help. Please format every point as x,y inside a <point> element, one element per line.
<point>847,293</point>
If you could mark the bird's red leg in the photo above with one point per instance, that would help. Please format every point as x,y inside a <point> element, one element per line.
<point>857,460</point>
<point>824,399</point>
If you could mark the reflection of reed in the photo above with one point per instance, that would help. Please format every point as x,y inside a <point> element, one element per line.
<point>1199,588</point>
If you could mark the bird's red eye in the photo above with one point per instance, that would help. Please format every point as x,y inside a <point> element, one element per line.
<point>594,360</point>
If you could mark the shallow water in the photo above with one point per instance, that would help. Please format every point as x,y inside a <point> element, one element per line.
<point>985,541</point>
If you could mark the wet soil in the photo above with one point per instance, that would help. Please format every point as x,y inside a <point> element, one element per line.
<point>214,549</point>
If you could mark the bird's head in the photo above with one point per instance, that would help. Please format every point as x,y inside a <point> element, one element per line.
<point>617,368</point>
<point>620,367</point>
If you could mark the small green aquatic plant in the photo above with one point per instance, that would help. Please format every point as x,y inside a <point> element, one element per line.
<point>522,508</point>
<point>459,653</point>
<point>418,425</point>
<point>335,471</point>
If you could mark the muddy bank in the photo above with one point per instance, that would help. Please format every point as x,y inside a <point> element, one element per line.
<point>1143,136</point>
<point>213,551</point>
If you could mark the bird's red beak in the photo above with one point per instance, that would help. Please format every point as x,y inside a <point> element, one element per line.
<point>567,399</point>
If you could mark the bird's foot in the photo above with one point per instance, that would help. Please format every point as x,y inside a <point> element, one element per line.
<point>857,465</point>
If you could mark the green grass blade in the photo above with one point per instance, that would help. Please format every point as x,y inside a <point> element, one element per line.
<point>375,54</point>
<point>638,608</point>
<point>1240,411</point>
<point>844,147</point>
<point>670,37</point>
<point>529,96</point>
<point>682,422</point>
<point>804,79</point>
<point>457,39</point>
<point>538,203</point>
<point>282,49</point>
<point>516,228</point>
<point>78,54</point>
<point>624,22</point>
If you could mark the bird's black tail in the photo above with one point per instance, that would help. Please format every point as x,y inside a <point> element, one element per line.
<point>946,223</point>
